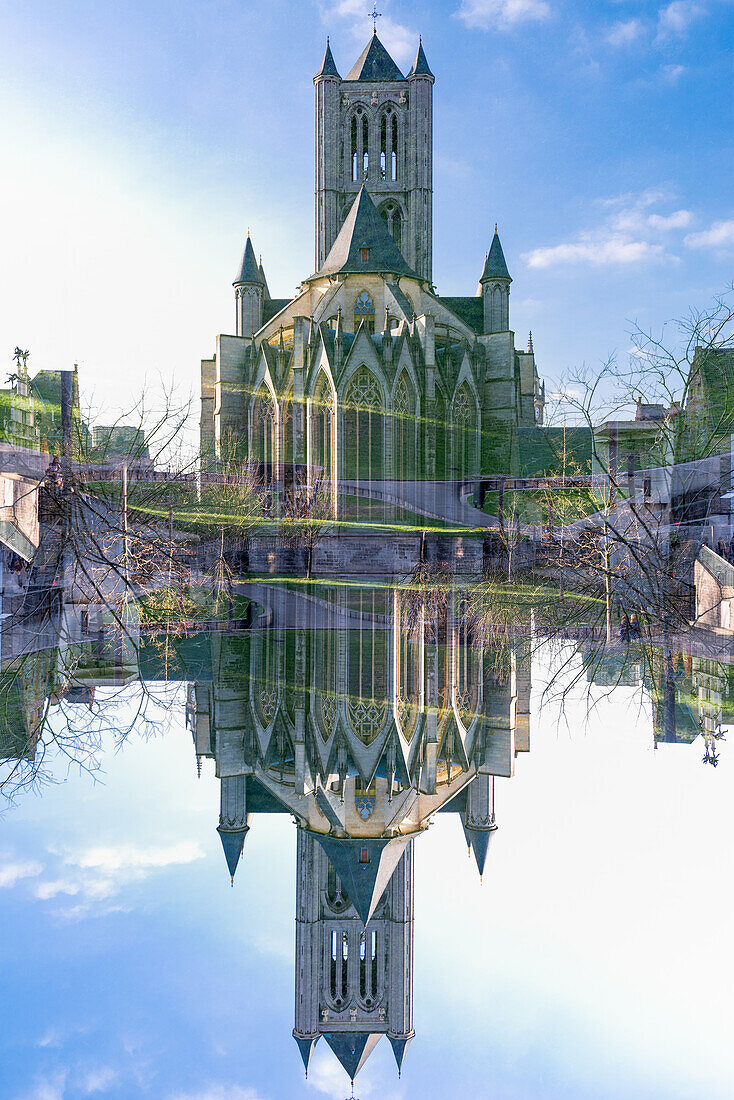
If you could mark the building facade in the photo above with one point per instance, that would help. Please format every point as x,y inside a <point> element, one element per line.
<point>361,717</point>
<point>368,374</point>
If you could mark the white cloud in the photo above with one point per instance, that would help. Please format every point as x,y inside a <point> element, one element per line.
<point>96,874</point>
<point>48,1088</point>
<point>400,41</point>
<point>630,234</point>
<point>327,1076</point>
<point>719,235</point>
<point>98,1080</point>
<point>218,1092</point>
<point>596,251</point>
<point>12,873</point>
<point>127,857</point>
<point>625,32</point>
<point>502,14</point>
<point>675,19</point>
<point>671,74</point>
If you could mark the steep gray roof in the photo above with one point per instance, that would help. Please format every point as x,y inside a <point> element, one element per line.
<point>352,1048</point>
<point>399,1047</point>
<point>364,228</point>
<point>305,1047</point>
<point>420,65</point>
<point>478,840</point>
<point>374,63</point>
<point>328,68</point>
<point>364,882</point>
<point>233,841</point>
<point>495,266</point>
<point>249,270</point>
<point>468,309</point>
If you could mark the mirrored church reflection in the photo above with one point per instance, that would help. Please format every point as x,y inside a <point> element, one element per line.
<point>362,712</point>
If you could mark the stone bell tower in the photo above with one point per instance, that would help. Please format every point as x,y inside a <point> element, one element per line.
<point>375,126</point>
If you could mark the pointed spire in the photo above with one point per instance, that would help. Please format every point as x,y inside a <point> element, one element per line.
<point>399,1046</point>
<point>264,280</point>
<point>328,67</point>
<point>479,840</point>
<point>530,343</point>
<point>198,766</point>
<point>364,244</point>
<point>352,1048</point>
<point>233,841</point>
<point>495,266</point>
<point>420,65</point>
<point>249,271</point>
<point>306,1043</point>
<point>365,867</point>
<point>374,64</point>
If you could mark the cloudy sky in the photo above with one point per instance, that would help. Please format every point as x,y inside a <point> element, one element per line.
<point>592,963</point>
<point>141,140</point>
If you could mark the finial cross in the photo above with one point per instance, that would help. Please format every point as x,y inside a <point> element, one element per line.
<point>374,16</point>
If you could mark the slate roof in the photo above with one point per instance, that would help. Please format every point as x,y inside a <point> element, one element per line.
<point>352,1048</point>
<point>365,882</point>
<point>233,841</point>
<point>374,64</point>
<point>249,270</point>
<point>364,228</point>
<point>470,310</point>
<point>328,67</point>
<point>495,266</point>
<point>420,65</point>
<point>271,306</point>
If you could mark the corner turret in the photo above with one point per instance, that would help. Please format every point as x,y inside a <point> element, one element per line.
<point>495,287</point>
<point>249,290</point>
<point>233,819</point>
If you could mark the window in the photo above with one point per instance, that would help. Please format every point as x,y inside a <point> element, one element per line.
<point>365,255</point>
<point>364,307</point>
<point>365,147</point>
<point>393,219</point>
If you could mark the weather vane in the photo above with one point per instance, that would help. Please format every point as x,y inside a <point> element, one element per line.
<point>374,16</point>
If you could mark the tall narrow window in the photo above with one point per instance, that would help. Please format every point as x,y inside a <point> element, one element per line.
<point>383,147</point>
<point>364,309</point>
<point>365,147</point>
<point>354,148</point>
<point>394,150</point>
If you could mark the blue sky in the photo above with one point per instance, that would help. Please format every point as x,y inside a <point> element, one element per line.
<point>142,140</point>
<point>590,964</point>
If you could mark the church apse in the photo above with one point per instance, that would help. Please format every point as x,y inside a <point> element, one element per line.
<point>428,387</point>
<point>362,714</point>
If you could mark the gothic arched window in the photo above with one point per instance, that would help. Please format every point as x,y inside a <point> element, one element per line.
<point>393,219</point>
<point>465,428</point>
<point>403,429</point>
<point>364,310</point>
<point>263,435</point>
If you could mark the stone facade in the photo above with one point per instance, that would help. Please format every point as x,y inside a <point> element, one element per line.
<point>368,374</point>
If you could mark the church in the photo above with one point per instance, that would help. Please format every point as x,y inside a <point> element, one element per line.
<point>362,718</point>
<point>368,374</point>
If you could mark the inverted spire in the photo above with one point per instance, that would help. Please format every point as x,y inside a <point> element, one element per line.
<point>364,867</point>
<point>352,1048</point>
<point>374,63</point>
<point>328,67</point>
<point>364,244</point>
<point>233,841</point>
<point>495,266</point>
<point>399,1047</point>
<point>478,839</point>
<point>249,270</point>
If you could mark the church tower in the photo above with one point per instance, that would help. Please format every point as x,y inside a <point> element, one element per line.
<point>354,982</point>
<point>375,126</point>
